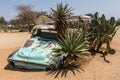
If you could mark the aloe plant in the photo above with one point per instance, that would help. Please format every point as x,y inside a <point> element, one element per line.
<point>72,44</point>
<point>102,31</point>
<point>60,14</point>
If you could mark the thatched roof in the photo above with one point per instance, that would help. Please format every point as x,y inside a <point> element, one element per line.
<point>43,20</point>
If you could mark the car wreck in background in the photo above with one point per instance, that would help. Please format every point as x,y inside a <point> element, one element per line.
<point>36,53</point>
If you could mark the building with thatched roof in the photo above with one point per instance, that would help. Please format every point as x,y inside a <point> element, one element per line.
<point>43,20</point>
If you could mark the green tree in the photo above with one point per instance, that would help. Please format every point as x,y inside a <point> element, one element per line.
<point>2,21</point>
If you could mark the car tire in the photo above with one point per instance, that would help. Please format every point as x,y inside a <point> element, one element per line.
<point>12,65</point>
<point>49,68</point>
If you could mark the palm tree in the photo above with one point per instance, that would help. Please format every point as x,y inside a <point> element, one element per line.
<point>60,15</point>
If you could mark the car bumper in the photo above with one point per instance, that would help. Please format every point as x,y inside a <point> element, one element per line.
<point>30,65</point>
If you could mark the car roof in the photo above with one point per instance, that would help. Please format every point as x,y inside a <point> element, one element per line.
<point>44,27</point>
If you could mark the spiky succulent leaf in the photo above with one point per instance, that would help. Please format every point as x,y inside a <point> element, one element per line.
<point>60,14</point>
<point>72,43</point>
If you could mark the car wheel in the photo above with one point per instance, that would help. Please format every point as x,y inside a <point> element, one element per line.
<point>12,65</point>
<point>49,68</point>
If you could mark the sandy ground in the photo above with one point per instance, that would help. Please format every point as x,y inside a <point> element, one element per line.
<point>95,69</point>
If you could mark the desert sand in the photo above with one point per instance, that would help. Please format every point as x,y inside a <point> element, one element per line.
<point>95,69</point>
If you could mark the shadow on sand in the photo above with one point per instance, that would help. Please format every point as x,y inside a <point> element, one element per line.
<point>63,70</point>
<point>8,67</point>
<point>75,67</point>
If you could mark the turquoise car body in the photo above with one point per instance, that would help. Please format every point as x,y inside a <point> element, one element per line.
<point>36,53</point>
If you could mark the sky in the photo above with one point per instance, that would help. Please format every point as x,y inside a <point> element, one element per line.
<point>108,7</point>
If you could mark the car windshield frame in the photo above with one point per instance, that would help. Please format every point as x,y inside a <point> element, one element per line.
<point>47,32</point>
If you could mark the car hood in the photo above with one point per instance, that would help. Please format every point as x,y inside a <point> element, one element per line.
<point>36,51</point>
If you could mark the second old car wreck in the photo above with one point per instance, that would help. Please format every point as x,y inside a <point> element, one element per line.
<point>37,52</point>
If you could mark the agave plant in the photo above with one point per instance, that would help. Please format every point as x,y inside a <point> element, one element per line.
<point>72,44</point>
<point>60,15</point>
<point>102,31</point>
